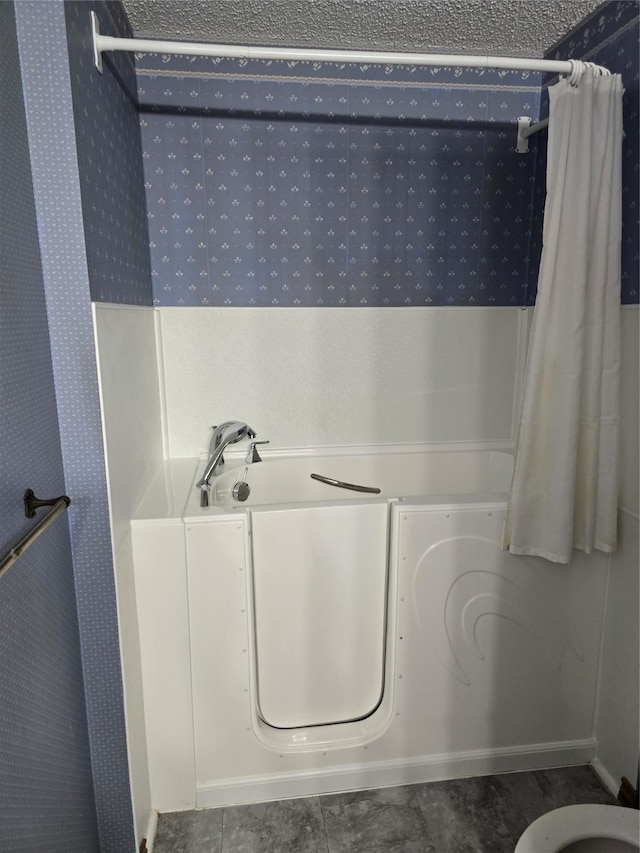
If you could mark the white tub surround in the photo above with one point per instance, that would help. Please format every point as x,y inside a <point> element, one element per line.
<point>308,377</point>
<point>629,446</point>
<point>162,614</point>
<point>125,341</point>
<point>125,338</point>
<point>618,720</point>
<point>490,660</point>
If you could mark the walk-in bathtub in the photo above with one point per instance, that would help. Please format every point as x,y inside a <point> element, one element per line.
<point>288,479</point>
<point>313,638</point>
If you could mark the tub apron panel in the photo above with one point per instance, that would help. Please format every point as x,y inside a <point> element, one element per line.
<point>319,585</point>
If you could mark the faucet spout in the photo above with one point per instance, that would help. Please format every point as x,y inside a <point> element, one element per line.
<point>227,433</point>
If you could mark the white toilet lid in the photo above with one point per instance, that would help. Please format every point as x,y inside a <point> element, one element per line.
<point>556,829</point>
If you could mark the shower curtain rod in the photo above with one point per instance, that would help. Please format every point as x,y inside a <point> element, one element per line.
<point>110,43</point>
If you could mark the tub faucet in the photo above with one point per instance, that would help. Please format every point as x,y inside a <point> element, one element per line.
<point>227,433</point>
<point>253,455</point>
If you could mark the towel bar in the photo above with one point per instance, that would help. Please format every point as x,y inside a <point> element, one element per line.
<point>31,503</point>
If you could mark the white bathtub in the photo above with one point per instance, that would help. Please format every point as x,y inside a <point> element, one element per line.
<point>287,479</point>
<point>314,639</point>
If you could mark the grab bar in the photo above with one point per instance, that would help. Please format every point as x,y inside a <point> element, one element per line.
<point>372,490</point>
<point>31,503</point>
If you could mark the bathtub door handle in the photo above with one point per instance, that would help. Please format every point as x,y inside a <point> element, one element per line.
<point>372,490</point>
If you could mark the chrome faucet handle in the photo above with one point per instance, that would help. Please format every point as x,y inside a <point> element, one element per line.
<point>225,434</point>
<point>253,455</point>
<point>212,440</point>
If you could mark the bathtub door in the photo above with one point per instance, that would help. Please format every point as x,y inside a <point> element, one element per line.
<point>319,595</point>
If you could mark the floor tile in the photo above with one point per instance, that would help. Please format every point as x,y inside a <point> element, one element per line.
<point>540,791</point>
<point>279,827</point>
<point>475,815</point>
<point>189,832</point>
<point>387,820</point>
<point>470,816</point>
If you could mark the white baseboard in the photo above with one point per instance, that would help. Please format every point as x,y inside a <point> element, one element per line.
<point>383,774</point>
<point>152,828</point>
<point>605,777</point>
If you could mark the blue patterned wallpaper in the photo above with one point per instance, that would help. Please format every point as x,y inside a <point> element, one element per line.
<point>46,787</point>
<point>46,76</point>
<point>110,159</point>
<point>276,183</point>
<point>611,37</point>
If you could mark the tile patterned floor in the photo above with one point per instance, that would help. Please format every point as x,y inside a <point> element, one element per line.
<point>480,815</point>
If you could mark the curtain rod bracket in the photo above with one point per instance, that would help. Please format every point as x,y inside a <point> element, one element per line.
<point>522,141</point>
<point>525,130</point>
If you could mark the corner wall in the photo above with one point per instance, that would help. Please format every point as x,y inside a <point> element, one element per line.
<point>125,340</point>
<point>618,713</point>
<point>107,130</point>
<point>110,171</point>
<point>72,262</point>
<point>46,787</point>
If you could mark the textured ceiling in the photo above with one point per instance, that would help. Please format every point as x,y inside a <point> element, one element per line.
<point>503,27</point>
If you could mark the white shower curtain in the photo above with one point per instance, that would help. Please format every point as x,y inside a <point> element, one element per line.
<point>564,489</point>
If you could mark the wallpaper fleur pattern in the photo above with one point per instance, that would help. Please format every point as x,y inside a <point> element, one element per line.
<point>297,183</point>
<point>52,39</point>
<point>274,183</point>
<point>108,144</point>
<point>46,785</point>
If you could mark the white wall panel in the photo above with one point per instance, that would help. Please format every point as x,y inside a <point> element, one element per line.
<point>310,377</point>
<point>498,650</point>
<point>129,388</point>
<point>629,410</point>
<point>133,686</point>
<point>163,617</point>
<point>618,726</point>
<point>129,396</point>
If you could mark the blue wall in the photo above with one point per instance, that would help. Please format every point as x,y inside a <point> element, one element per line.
<point>274,183</point>
<point>46,789</point>
<point>72,263</point>
<point>109,159</point>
